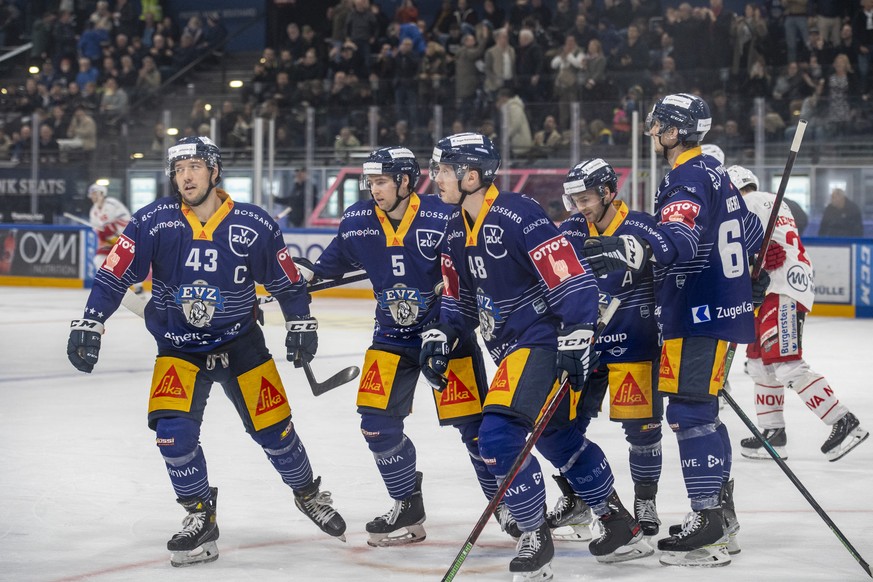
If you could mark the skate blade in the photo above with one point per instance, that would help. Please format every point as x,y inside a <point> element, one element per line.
<point>577,532</point>
<point>712,556</point>
<point>632,551</point>
<point>854,438</point>
<point>761,454</point>
<point>412,535</point>
<point>733,545</point>
<point>202,554</point>
<point>541,575</point>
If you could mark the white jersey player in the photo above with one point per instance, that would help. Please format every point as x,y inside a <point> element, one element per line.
<point>776,357</point>
<point>108,217</point>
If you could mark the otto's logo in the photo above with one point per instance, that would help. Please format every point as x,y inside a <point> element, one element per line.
<point>428,242</point>
<point>556,261</point>
<point>120,257</point>
<point>451,284</point>
<point>241,238</point>
<point>683,211</point>
<point>284,258</point>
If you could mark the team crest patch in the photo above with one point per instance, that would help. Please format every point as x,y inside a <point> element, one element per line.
<point>199,300</point>
<point>428,242</point>
<point>493,236</point>
<point>489,314</point>
<point>240,239</point>
<point>684,211</point>
<point>404,303</point>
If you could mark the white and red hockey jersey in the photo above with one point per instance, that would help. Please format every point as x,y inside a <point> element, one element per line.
<point>795,277</point>
<point>108,221</point>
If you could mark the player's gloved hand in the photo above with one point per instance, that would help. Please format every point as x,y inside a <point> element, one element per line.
<point>436,345</point>
<point>302,339</point>
<point>775,256</point>
<point>83,347</point>
<point>759,287</point>
<point>575,356</point>
<point>607,254</point>
<point>306,268</point>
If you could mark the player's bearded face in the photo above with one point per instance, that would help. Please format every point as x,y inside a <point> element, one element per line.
<point>193,178</point>
<point>447,184</point>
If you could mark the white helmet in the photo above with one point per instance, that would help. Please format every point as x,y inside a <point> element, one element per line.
<point>713,150</point>
<point>95,187</point>
<point>742,177</point>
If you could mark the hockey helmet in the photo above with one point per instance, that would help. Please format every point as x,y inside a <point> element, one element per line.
<point>100,189</point>
<point>713,150</point>
<point>742,177</point>
<point>188,148</point>
<point>689,114</point>
<point>466,151</point>
<point>393,161</point>
<point>594,174</point>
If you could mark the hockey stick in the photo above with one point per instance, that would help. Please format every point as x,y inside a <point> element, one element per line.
<point>803,491</point>
<point>75,218</point>
<point>539,427</point>
<point>325,284</point>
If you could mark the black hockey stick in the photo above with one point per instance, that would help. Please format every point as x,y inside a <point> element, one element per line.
<point>323,284</point>
<point>803,491</point>
<point>342,377</point>
<point>538,428</point>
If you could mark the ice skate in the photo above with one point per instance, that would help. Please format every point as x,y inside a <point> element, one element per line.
<point>752,448</point>
<point>645,509</point>
<point>732,526</point>
<point>402,524</point>
<point>195,544</point>
<point>621,536</point>
<point>506,521</point>
<point>317,507</point>
<point>701,541</point>
<point>846,434</point>
<point>534,553</point>
<point>571,519</point>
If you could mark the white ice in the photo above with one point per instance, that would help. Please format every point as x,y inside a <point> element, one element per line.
<point>84,494</point>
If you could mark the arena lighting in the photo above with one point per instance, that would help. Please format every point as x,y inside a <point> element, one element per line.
<point>102,181</point>
<point>235,84</point>
<point>172,131</point>
<point>137,156</point>
<point>207,107</point>
<point>34,70</point>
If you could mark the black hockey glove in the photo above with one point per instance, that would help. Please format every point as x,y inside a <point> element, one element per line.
<point>607,254</point>
<point>436,345</point>
<point>759,287</point>
<point>83,347</point>
<point>302,339</point>
<point>307,269</point>
<point>575,354</point>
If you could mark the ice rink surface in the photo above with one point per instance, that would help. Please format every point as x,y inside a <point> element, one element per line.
<point>84,494</point>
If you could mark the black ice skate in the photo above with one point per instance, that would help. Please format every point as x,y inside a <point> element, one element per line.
<point>621,537</point>
<point>731,525</point>
<point>645,509</point>
<point>534,553</point>
<point>402,524</point>
<point>506,521</point>
<point>846,434</point>
<point>752,448</point>
<point>195,544</point>
<point>571,519</point>
<point>700,542</point>
<point>317,507</point>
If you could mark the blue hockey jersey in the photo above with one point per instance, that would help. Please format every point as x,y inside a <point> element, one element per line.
<point>203,275</point>
<point>514,275</point>
<point>702,243</point>
<point>632,335</point>
<point>402,264</point>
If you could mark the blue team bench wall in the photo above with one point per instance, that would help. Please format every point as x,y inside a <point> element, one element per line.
<point>843,275</point>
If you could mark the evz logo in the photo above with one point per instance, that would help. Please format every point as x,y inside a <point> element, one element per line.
<point>494,241</point>
<point>428,241</point>
<point>403,303</point>
<point>240,239</point>
<point>199,301</point>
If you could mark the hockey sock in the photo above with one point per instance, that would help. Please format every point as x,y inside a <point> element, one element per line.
<point>526,496</point>
<point>813,388</point>
<point>769,395</point>
<point>590,475</point>
<point>701,451</point>
<point>470,437</point>
<point>292,463</point>
<point>722,431</point>
<point>188,475</point>
<point>397,467</point>
<point>644,453</point>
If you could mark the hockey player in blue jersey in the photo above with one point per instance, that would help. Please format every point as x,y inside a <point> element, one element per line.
<point>629,346</point>
<point>395,237</point>
<point>206,252</point>
<point>700,245</point>
<point>508,270</point>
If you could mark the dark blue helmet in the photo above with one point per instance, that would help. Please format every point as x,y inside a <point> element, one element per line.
<point>594,174</point>
<point>394,161</point>
<point>189,148</point>
<point>467,151</point>
<point>687,113</point>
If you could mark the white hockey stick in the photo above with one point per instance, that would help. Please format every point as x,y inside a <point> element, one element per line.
<point>75,218</point>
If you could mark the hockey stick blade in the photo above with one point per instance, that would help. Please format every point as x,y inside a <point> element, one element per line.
<point>344,376</point>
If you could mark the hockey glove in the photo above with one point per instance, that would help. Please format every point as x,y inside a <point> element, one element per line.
<point>575,356</point>
<point>302,339</point>
<point>759,287</point>
<point>775,256</point>
<point>436,345</point>
<point>307,269</point>
<point>83,347</point>
<point>607,254</point>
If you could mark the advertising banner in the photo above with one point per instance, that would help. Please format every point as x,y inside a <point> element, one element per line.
<point>45,252</point>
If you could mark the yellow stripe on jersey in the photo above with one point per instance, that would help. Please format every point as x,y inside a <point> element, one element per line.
<point>205,231</point>
<point>621,210</point>
<point>473,234</point>
<point>392,238</point>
